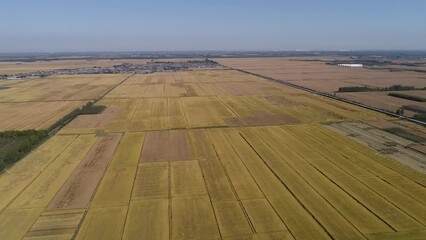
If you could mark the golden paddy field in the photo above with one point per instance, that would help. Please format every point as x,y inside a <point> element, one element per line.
<point>207,154</point>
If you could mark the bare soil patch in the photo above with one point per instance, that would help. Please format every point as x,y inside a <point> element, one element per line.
<point>79,188</point>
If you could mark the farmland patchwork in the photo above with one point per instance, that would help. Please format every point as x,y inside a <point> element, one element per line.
<point>207,154</point>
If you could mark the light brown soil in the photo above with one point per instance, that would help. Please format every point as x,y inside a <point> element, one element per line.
<point>179,146</point>
<point>156,147</point>
<point>419,147</point>
<point>94,120</point>
<point>79,188</point>
<point>166,146</point>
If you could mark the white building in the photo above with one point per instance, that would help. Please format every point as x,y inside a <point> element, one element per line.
<point>351,65</point>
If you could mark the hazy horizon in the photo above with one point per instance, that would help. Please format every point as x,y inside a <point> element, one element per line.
<point>127,26</point>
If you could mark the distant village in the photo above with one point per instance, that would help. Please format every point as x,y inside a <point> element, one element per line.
<point>150,67</point>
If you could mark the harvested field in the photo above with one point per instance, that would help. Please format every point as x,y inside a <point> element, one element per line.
<point>148,219</point>
<point>56,225</point>
<point>61,88</point>
<point>326,78</point>
<point>382,100</point>
<point>40,103</point>
<point>80,186</point>
<point>163,101</point>
<point>219,154</point>
<point>34,115</point>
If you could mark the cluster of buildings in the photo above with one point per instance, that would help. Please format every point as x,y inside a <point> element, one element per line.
<point>149,67</point>
<point>354,65</point>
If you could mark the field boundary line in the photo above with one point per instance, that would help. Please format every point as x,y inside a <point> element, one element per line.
<point>210,199</point>
<point>234,191</point>
<point>263,162</point>
<point>38,173</point>
<point>133,186</point>
<point>356,179</point>
<point>292,193</point>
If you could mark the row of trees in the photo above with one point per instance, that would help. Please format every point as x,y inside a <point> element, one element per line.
<point>16,144</point>
<point>408,97</point>
<point>370,89</point>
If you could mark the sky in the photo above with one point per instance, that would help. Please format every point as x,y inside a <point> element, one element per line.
<point>204,25</point>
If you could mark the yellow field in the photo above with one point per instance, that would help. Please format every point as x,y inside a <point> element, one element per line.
<point>211,154</point>
<point>39,103</point>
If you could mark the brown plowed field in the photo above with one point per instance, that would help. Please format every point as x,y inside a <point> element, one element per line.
<point>79,189</point>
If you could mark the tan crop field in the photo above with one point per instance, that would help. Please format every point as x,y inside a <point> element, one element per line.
<point>39,103</point>
<point>384,101</point>
<point>311,73</point>
<point>209,154</point>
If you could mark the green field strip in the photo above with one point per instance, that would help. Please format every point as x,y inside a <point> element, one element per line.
<point>406,203</point>
<point>263,216</point>
<point>231,219</point>
<point>282,200</point>
<point>16,222</point>
<point>239,176</point>
<point>42,190</point>
<point>128,151</point>
<point>103,223</point>
<point>325,213</point>
<point>357,214</point>
<point>409,235</point>
<point>26,170</point>
<point>193,218</point>
<point>147,219</point>
<point>216,180</point>
<point>392,215</point>
<point>187,179</point>
<point>379,158</point>
<point>115,188</point>
<point>368,166</point>
<point>152,181</point>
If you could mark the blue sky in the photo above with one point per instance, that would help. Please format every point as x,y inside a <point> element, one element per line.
<point>127,25</point>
